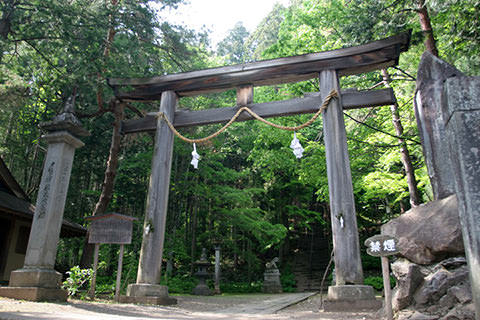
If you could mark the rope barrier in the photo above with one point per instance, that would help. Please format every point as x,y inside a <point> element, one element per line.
<point>324,106</point>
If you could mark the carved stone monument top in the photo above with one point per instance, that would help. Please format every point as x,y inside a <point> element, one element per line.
<point>66,121</point>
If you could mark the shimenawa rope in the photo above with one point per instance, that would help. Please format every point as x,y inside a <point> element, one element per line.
<point>324,105</point>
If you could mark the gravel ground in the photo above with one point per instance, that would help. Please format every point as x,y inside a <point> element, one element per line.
<point>188,307</point>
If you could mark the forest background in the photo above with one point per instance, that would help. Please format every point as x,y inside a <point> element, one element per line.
<point>250,195</point>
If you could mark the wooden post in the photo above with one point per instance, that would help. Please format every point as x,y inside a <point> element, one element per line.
<point>244,95</point>
<point>383,246</point>
<point>119,273</point>
<point>217,270</point>
<point>91,292</point>
<point>156,212</point>
<point>386,287</point>
<point>348,266</point>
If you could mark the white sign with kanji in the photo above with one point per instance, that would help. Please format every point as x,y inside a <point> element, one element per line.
<point>382,245</point>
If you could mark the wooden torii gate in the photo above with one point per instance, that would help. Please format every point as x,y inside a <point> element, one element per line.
<point>328,67</point>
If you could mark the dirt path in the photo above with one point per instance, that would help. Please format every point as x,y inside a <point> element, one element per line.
<point>255,306</point>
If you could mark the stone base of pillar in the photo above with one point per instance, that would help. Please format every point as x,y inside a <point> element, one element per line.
<point>33,277</point>
<point>217,290</point>
<point>202,290</point>
<point>162,301</point>
<point>35,284</point>
<point>352,298</point>
<point>34,293</point>
<point>143,293</point>
<point>271,282</point>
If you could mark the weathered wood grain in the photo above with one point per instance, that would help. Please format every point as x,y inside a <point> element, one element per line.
<point>119,273</point>
<point>156,211</point>
<point>346,61</point>
<point>309,104</point>
<point>387,290</point>
<point>348,266</point>
<point>244,95</point>
<point>111,230</point>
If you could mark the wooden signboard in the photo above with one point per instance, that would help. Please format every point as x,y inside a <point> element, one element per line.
<point>111,228</point>
<point>383,246</point>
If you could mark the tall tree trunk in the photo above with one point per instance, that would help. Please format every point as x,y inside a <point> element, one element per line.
<point>9,7</point>
<point>193,244</point>
<point>405,155</point>
<point>426,25</point>
<point>235,248</point>
<point>109,179</point>
<point>112,163</point>
<point>31,172</point>
<point>249,260</point>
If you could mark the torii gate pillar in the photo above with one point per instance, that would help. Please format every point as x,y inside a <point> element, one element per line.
<point>147,288</point>
<point>349,288</point>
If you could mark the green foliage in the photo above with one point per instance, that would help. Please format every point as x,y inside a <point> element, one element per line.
<point>377,282</point>
<point>233,47</point>
<point>370,262</point>
<point>78,279</point>
<point>287,279</point>
<point>181,284</point>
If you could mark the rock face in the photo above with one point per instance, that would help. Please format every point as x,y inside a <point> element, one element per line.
<point>409,277</point>
<point>438,291</point>
<point>431,76</point>
<point>432,277</point>
<point>428,233</point>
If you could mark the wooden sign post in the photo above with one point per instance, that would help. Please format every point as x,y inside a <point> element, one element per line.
<point>383,246</point>
<point>109,228</point>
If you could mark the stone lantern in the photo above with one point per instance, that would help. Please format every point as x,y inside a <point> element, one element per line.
<point>202,274</point>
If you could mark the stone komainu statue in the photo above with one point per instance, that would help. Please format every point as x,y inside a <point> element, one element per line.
<point>271,277</point>
<point>272,264</point>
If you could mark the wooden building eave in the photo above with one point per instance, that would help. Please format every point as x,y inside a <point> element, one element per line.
<point>15,207</point>
<point>15,202</point>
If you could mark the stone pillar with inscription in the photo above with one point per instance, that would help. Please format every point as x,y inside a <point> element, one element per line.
<point>461,112</point>
<point>431,76</point>
<point>217,270</point>
<point>38,280</point>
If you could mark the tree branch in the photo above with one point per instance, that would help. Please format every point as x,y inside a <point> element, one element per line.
<point>138,112</point>
<point>387,146</point>
<point>103,110</point>
<point>44,57</point>
<point>405,73</point>
<point>376,129</point>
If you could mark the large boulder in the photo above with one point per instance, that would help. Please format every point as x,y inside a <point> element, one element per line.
<point>428,233</point>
